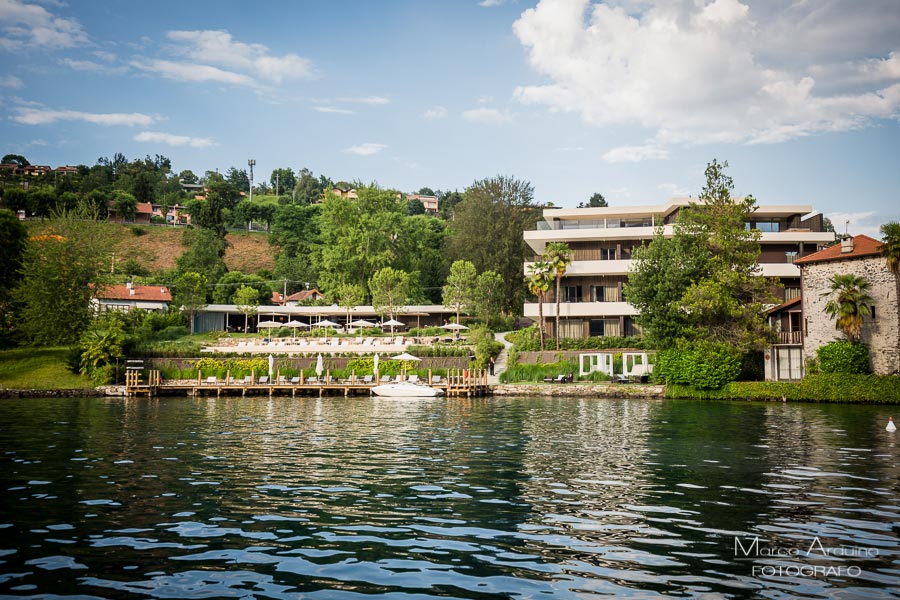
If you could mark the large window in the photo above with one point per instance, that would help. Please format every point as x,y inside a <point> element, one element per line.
<point>607,254</point>
<point>604,293</point>
<point>604,327</point>
<point>570,293</point>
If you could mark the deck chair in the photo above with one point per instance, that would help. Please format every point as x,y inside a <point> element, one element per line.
<point>212,380</point>
<point>247,379</point>
<point>295,380</point>
<point>313,379</point>
<point>368,378</point>
<point>386,379</point>
<point>413,379</point>
<point>282,379</point>
<point>435,379</point>
<point>264,380</point>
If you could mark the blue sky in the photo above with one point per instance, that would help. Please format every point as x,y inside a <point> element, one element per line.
<point>630,98</point>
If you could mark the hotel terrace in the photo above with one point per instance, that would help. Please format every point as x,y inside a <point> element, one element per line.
<point>603,241</point>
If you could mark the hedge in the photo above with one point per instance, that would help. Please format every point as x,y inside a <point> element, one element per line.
<point>824,387</point>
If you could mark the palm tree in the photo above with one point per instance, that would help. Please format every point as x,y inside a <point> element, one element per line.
<point>538,282</point>
<point>849,304</point>
<point>559,255</point>
<point>890,250</point>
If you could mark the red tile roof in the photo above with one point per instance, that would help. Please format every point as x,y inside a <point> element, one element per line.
<point>153,293</point>
<point>863,245</point>
<point>784,305</point>
<point>303,295</point>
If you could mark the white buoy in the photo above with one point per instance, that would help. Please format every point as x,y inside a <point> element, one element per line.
<point>890,425</point>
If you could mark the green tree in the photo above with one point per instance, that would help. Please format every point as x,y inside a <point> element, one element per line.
<point>420,249</point>
<point>204,254</point>
<point>890,250</point>
<point>488,230</point>
<point>238,178</point>
<point>486,295</point>
<point>13,240</point>
<point>62,269</point>
<point>226,287</point>
<point>126,205</point>
<point>540,274</point>
<point>414,207</point>
<point>190,295</point>
<point>15,198</point>
<point>187,176</point>
<point>596,201</point>
<point>559,255</point>
<point>358,236</point>
<point>447,202</point>
<point>848,304</point>
<point>42,201</point>
<point>460,287</point>
<point>101,345</point>
<point>705,279</point>
<point>247,300</point>
<point>283,181</point>
<point>15,159</point>
<point>390,291</point>
<point>348,295</point>
<point>308,189</point>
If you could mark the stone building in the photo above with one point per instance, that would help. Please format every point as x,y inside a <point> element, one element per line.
<point>857,256</point>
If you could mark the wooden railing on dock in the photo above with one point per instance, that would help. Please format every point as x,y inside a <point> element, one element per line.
<point>459,382</point>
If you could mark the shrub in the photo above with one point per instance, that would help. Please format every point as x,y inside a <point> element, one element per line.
<point>843,357</point>
<point>701,365</point>
<point>137,231</point>
<point>172,333</point>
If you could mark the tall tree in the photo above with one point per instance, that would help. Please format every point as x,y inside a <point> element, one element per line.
<point>538,278</point>
<point>890,250</point>
<point>390,291</point>
<point>486,295</point>
<point>420,249</point>
<point>283,181</point>
<point>63,268</point>
<point>559,255</point>
<point>190,295</point>
<point>596,201</point>
<point>358,236</point>
<point>238,178</point>
<point>204,254</point>
<point>704,282</point>
<point>488,230</point>
<point>126,205</point>
<point>849,304</point>
<point>460,286</point>
<point>13,239</point>
<point>348,295</point>
<point>246,299</point>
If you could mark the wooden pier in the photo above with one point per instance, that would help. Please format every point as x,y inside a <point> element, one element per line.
<point>458,383</point>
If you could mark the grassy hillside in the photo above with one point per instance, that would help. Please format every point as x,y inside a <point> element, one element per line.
<point>159,246</point>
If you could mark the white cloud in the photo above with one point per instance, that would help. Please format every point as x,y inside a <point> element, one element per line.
<point>333,110</point>
<point>435,112</point>
<point>27,25</point>
<point>867,223</point>
<point>173,140</point>
<point>486,115</point>
<point>37,116</point>
<point>365,149</point>
<point>367,100</point>
<point>674,190</point>
<point>94,67</point>
<point>12,82</point>
<point>635,153</point>
<point>491,3</point>
<point>219,48</point>
<point>193,72</point>
<point>709,71</point>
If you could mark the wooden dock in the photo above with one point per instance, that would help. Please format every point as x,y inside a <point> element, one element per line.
<point>458,383</point>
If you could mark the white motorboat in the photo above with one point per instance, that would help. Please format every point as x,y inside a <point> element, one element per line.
<point>406,389</point>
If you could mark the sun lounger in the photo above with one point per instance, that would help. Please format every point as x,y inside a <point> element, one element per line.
<point>368,378</point>
<point>312,380</point>
<point>386,379</point>
<point>413,379</point>
<point>435,379</point>
<point>247,379</point>
<point>561,378</point>
<point>211,380</point>
<point>264,380</point>
<point>282,379</point>
<point>295,380</point>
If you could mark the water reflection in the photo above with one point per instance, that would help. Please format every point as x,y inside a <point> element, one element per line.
<point>347,498</point>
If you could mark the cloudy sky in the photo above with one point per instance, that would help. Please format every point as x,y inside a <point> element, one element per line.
<point>630,98</point>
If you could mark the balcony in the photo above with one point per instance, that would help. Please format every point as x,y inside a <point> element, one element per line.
<point>581,310</point>
<point>790,337</point>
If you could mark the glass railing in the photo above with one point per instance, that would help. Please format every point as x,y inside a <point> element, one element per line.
<point>592,224</point>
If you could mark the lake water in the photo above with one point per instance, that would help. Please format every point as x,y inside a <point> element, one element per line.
<point>411,499</point>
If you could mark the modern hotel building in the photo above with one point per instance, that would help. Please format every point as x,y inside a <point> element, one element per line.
<point>603,241</point>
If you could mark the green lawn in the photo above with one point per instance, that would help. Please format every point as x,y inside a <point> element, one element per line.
<point>38,368</point>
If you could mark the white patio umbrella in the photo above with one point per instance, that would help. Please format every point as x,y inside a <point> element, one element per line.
<point>296,324</point>
<point>454,326</point>
<point>326,323</point>
<point>268,324</point>
<point>405,356</point>
<point>271,366</point>
<point>361,323</point>
<point>392,323</point>
<point>320,366</point>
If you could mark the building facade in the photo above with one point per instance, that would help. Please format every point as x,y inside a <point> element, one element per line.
<point>603,241</point>
<point>859,256</point>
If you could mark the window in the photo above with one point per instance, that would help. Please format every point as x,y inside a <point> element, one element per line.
<point>790,257</point>
<point>570,293</point>
<point>872,311</point>
<point>607,254</point>
<point>604,293</point>
<point>604,327</point>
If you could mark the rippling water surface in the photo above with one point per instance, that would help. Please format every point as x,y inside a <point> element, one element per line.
<point>414,499</point>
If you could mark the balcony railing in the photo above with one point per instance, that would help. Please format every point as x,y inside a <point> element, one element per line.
<point>790,337</point>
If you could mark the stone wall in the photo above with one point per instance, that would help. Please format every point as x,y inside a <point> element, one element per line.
<point>881,333</point>
<point>603,390</point>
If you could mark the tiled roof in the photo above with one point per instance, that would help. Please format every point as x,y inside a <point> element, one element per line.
<point>302,295</point>
<point>785,305</point>
<point>863,245</point>
<point>153,293</point>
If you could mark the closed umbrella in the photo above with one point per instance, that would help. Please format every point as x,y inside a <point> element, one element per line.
<point>271,366</point>
<point>320,366</point>
<point>375,367</point>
